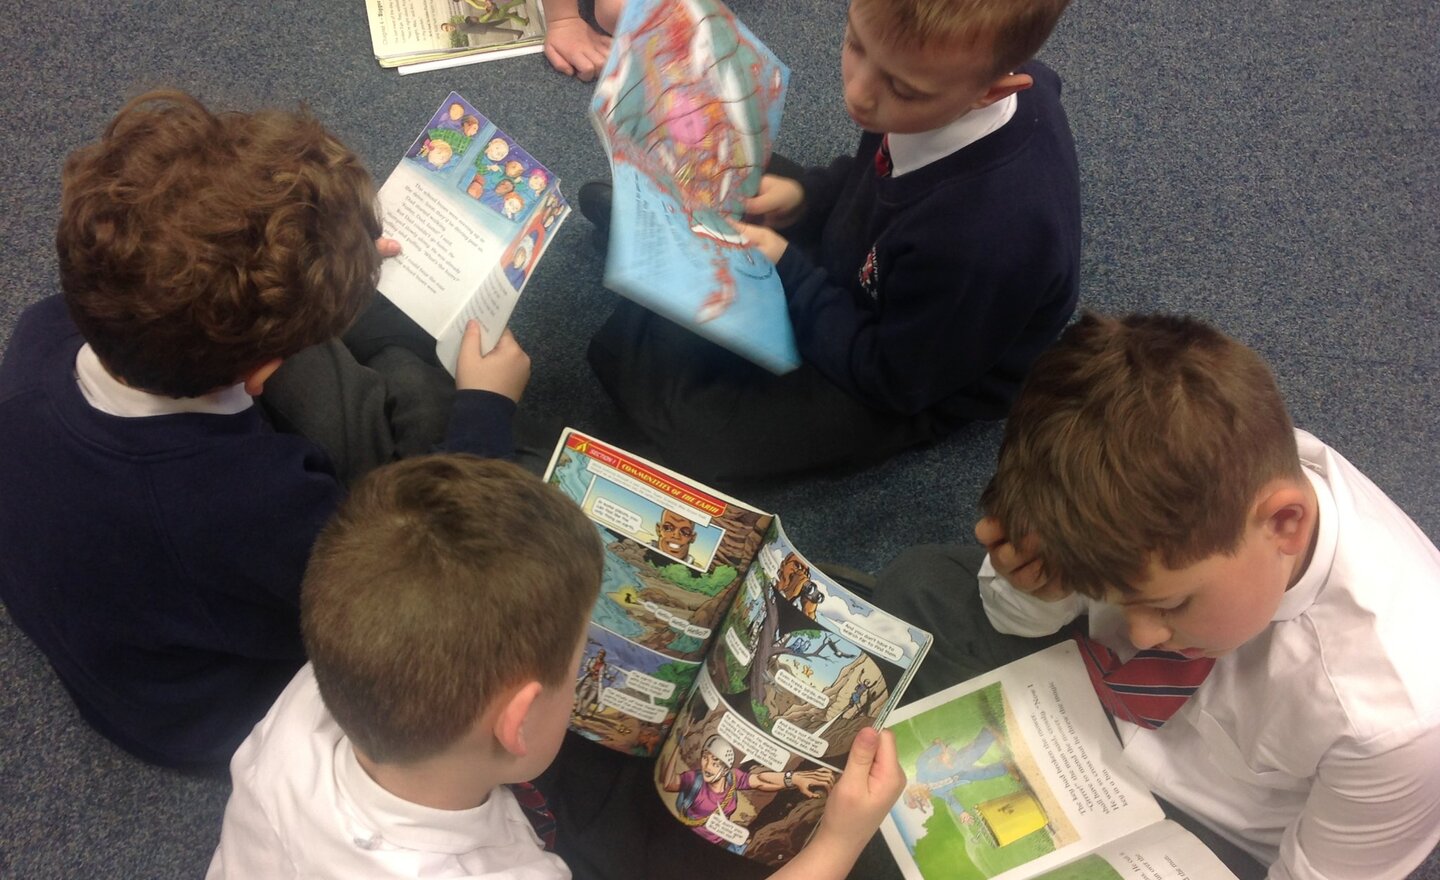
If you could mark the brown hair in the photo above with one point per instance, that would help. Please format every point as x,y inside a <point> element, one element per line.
<point>441,581</point>
<point>1014,29</point>
<point>1144,437</point>
<point>196,246</point>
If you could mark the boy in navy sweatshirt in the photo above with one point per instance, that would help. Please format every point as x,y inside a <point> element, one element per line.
<point>154,526</point>
<point>932,267</point>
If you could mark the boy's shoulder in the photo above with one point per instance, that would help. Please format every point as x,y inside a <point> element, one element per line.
<point>1376,608</point>
<point>41,327</point>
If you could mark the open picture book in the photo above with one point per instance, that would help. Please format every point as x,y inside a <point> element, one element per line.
<point>716,646</point>
<point>1018,774</point>
<point>687,108</point>
<point>473,213</point>
<point>420,35</point>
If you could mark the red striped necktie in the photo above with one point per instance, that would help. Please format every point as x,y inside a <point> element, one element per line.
<point>883,165</point>
<point>1146,689</point>
<point>537,810</point>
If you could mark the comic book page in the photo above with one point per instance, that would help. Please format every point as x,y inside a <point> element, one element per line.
<point>473,213</point>
<point>800,667</point>
<point>675,556</point>
<point>687,107</point>
<point>410,31</point>
<point>1012,773</point>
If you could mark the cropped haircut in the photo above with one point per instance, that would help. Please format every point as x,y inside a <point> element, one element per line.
<point>1014,30</point>
<point>441,581</point>
<point>1139,439</point>
<point>197,246</point>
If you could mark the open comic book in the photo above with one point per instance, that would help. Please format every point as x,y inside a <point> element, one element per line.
<point>687,107</point>
<point>473,213</point>
<point>417,35</point>
<point>1018,774</point>
<point>718,645</point>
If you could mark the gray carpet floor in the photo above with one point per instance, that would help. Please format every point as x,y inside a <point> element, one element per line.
<point>1270,167</point>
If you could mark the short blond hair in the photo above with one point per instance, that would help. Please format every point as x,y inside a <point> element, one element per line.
<point>441,581</point>
<point>1014,29</point>
<point>1138,439</point>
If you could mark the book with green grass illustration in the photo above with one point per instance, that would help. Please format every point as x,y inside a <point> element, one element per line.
<point>1018,773</point>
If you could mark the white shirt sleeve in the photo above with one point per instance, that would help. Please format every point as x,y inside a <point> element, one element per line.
<point>1017,613</point>
<point>1372,818</point>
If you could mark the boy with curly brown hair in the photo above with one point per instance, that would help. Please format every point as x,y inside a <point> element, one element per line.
<point>154,526</point>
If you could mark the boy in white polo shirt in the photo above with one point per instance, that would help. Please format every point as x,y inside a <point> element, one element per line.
<point>443,610</point>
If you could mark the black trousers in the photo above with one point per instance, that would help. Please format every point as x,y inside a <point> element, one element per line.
<point>716,417</point>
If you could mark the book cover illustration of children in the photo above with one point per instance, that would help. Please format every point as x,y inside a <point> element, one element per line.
<point>732,786</point>
<point>672,565</point>
<point>688,105</point>
<point>626,696</point>
<point>977,804</point>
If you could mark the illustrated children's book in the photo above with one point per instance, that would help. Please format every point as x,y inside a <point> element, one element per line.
<point>1017,774</point>
<point>417,35</point>
<point>473,213</point>
<point>718,645</point>
<point>687,107</point>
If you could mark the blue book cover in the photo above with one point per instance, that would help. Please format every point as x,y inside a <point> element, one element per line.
<point>688,106</point>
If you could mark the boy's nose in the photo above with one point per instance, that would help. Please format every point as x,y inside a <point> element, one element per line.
<point>1145,629</point>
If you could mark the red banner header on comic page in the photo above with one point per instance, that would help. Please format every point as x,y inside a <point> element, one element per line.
<point>646,474</point>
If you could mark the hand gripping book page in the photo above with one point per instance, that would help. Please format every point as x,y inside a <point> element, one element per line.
<point>717,644</point>
<point>473,212</point>
<point>1018,774</point>
<point>687,107</point>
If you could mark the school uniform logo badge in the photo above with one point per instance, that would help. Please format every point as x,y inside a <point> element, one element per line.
<point>870,275</point>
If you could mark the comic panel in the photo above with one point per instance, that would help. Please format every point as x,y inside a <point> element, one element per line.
<point>674,552</point>
<point>735,787</point>
<point>626,696</point>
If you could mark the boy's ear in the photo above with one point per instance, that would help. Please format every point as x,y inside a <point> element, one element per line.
<point>510,722</point>
<point>255,379</point>
<point>1003,88</point>
<point>1288,513</point>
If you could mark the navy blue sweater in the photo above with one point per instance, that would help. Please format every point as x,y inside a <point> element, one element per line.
<point>933,292</point>
<point>157,561</point>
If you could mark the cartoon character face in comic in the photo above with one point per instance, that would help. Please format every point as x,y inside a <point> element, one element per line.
<point>456,111</point>
<point>791,577</point>
<point>476,189</point>
<point>469,126</point>
<point>674,534</point>
<point>505,187</point>
<point>522,256</point>
<point>497,149</point>
<point>538,181</point>
<point>514,168</point>
<point>513,205</point>
<point>716,759</point>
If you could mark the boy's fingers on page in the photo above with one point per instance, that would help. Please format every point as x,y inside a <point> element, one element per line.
<point>862,751</point>
<point>887,769</point>
<point>387,247</point>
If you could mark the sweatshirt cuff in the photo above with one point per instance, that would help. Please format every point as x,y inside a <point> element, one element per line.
<point>482,423</point>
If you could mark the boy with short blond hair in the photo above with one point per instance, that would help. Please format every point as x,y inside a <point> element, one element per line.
<point>154,525</point>
<point>931,267</point>
<point>444,610</point>
<point>1150,479</point>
